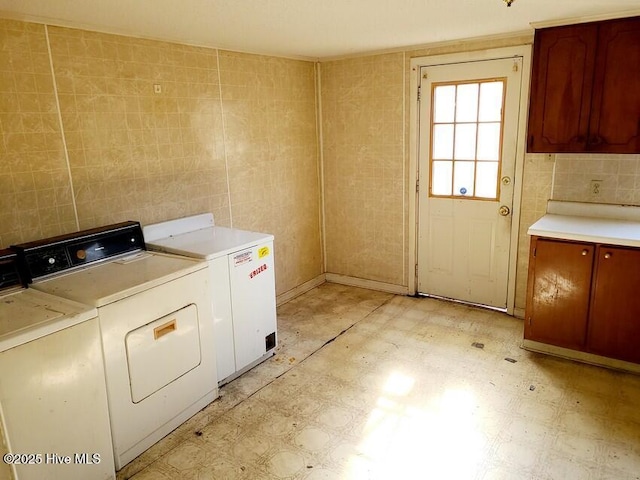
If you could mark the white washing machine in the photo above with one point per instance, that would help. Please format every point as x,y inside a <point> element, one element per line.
<point>155,318</point>
<point>242,273</point>
<point>53,399</point>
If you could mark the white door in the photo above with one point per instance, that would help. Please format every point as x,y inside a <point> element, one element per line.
<point>468,127</point>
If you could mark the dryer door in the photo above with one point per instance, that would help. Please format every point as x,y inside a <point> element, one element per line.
<point>161,351</point>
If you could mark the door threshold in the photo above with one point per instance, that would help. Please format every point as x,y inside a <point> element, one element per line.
<point>462,302</point>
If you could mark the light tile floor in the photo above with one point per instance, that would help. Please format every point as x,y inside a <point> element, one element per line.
<point>405,391</point>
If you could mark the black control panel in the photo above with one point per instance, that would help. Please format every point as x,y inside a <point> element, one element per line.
<point>57,254</point>
<point>9,275</point>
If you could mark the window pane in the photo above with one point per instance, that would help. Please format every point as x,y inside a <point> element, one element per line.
<point>487,180</point>
<point>463,178</point>
<point>443,142</point>
<point>441,178</point>
<point>489,141</point>
<point>467,103</point>
<point>465,141</point>
<point>491,102</point>
<point>444,103</point>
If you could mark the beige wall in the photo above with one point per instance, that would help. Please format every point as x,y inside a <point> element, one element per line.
<point>231,134</point>
<point>364,167</point>
<point>619,177</point>
<point>366,123</point>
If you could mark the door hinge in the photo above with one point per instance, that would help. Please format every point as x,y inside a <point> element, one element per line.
<point>534,253</point>
<point>416,273</point>
<point>419,91</point>
<point>529,321</point>
<point>417,185</point>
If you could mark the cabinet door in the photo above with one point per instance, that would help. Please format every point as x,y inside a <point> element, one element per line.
<point>558,292</point>
<point>561,87</point>
<point>614,323</point>
<point>615,110</point>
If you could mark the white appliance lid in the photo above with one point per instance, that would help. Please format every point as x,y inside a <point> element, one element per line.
<point>108,282</point>
<point>209,243</point>
<point>177,226</point>
<point>28,314</point>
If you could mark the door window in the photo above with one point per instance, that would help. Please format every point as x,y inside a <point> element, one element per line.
<point>466,128</point>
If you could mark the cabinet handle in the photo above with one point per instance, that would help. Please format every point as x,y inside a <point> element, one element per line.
<point>607,255</point>
<point>585,252</point>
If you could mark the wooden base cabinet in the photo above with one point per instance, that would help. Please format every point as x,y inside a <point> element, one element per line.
<point>584,297</point>
<point>614,319</point>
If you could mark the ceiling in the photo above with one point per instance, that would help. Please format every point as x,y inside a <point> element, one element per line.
<point>309,29</point>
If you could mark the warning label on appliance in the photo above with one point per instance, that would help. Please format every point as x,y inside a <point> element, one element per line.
<point>242,258</point>
<point>263,252</point>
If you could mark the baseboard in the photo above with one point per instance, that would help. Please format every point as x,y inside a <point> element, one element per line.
<point>369,284</point>
<point>518,312</point>
<point>300,289</point>
<point>584,357</point>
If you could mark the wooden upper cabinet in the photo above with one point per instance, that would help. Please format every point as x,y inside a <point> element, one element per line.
<point>615,105</point>
<point>585,88</point>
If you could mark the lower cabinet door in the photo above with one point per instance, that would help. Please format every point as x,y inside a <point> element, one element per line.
<point>614,323</point>
<point>558,293</point>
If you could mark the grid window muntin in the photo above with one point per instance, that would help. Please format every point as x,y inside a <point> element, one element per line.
<point>460,111</point>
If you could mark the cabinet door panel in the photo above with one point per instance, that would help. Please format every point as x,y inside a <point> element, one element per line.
<point>614,323</point>
<point>615,117</point>
<point>559,291</point>
<point>561,87</point>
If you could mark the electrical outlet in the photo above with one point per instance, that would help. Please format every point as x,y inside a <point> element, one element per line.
<point>157,88</point>
<point>596,187</point>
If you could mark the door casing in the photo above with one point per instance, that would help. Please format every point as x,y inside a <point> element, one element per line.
<point>523,51</point>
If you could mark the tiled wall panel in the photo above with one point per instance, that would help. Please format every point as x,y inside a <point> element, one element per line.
<point>136,153</point>
<point>35,195</point>
<point>143,123</point>
<point>364,172</point>
<point>269,107</point>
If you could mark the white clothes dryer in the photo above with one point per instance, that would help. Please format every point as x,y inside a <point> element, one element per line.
<point>156,323</point>
<point>242,279</point>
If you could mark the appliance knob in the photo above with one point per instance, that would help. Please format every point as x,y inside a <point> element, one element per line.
<point>51,260</point>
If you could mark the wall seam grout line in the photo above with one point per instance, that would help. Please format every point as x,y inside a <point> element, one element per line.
<point>224,138</point>
<point>62,134</point>
<point>319,133</point>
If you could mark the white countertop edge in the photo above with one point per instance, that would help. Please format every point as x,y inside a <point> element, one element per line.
<point>623,242</point>
<point>587,229</point>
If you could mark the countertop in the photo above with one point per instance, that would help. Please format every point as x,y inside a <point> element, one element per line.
<point>597,223</point>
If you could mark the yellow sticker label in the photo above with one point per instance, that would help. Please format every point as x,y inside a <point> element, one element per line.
<point>263,252</point>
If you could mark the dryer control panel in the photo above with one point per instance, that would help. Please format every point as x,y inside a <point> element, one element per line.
<point>51,256</point>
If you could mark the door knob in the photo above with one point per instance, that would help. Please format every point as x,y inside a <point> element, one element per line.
<point>504,210</point>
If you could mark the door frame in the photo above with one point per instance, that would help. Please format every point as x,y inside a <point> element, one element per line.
<point>523,51</point>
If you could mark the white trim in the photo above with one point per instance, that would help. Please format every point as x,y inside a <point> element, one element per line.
<point>62,135</point>
<point>523,51</point>
<point>320,140</point>
<point>224,138</point>
<point>405,273</point>
<point>414,141</point>
<point>368,284</point>
<point>584,357</point>
<point>300,289</point>
<point>410,49</point>
<point>586,19</point>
